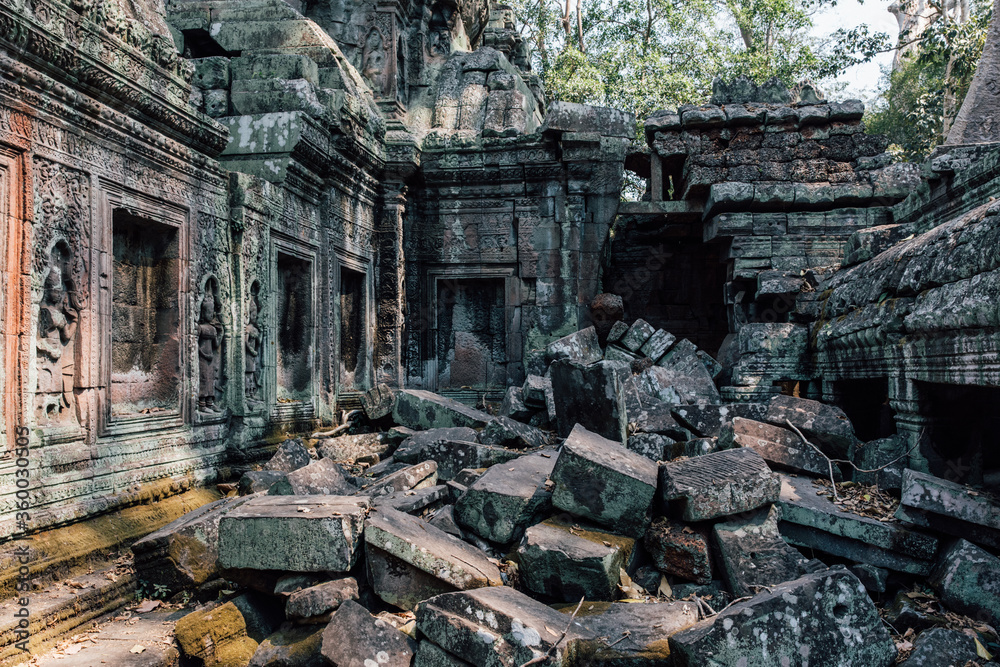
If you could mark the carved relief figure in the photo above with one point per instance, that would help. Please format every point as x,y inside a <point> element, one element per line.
<point>373,62</point>
<point>252,345</point>
<point>440,28</point>
<point>58,316</point>
<point>210,331</point>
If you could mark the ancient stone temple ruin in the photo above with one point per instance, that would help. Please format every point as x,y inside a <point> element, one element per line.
<point>344,264</point>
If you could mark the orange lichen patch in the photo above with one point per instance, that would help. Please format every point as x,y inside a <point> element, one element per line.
<point>67,551</point>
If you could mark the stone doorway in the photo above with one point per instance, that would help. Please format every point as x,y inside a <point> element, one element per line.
<point>471,334</point>
<point>294,319</point>
<point>960,439</point>
<point>353,329</point>
<point>145,317</point>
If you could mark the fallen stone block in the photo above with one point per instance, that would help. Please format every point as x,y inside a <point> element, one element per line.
<point>968,581</point>
<point>534,389</point>
<point>683,362</point>
<point>355,638</point>
<point>290,533</point>
<point>836,625</point>
<point>680,550</point>
<point>431,655</point>
<point>873,578</point>
<point>320,599</point>
<point>753,555</point>
<point>780,447</point>
<point>603,481</point>
<point>717,485</point>
<point>423,410</point>
<point>636,633</point>
<point>444,518</point>
<point>566,561</point>
<point>581,347</point>
<point>825,426</point>
<point>499,627</point>
<point>257,481</point>
<point>707,421</point>
<point>416,476</point>
<point>452,564</point>
<point>415,501</point>
<point>513,406</point>
<point>877,454</point>
<point>350,448</point>
<point>941,647</point>
<point>215,636</point>
<point>378,402</point>
<point>653,446</point>
<point>184,553</point>
<point>814,521</point>
<point>412,449</point>
<point>617,332</point>
<point>453,456</point>
<point>647,414</point>
<point>657,345</point>
<point>506,497</point>
<point>291,647</point>
<point>290,455</point>
<point>590,396</point>
<point>948,507</point>
<point>679,386</point>
<point>506,432</point>
<point>696,447</point>
<point>637,335</point>
<point>615,353</point>
<point>323,477</point>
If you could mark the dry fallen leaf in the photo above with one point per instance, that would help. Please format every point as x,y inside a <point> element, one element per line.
<point>138,648</point>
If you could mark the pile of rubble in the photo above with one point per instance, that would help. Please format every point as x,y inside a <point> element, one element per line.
<point>457,537</point>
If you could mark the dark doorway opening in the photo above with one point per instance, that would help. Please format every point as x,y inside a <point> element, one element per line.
<point>293,310</point>
<point>471,336</point>
<point>353,343</point>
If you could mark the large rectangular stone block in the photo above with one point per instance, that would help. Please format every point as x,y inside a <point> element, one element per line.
<point>499,627</point>
<point>603,481</point>
<point>294,533</point>
<point>422,410</point>
<point>501,502</point>
<point>717,484</point>
<point>835,625</point>
<point>428,550</point>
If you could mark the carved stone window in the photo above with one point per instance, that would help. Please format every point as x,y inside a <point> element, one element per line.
<point>145,317</point>
<point>148,351</point>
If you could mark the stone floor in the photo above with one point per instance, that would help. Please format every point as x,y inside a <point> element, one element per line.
<point>116,643</point>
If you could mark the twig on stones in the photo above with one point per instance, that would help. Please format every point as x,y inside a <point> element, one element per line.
<point>829,461</point>
<point>548,654</point>
<point>705,604</point>
<point>625,635</point>
<point>736,601</point>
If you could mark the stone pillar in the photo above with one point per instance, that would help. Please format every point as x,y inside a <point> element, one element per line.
<point>391,297</point>
<point>978,121</point>
<point>913,427</point>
